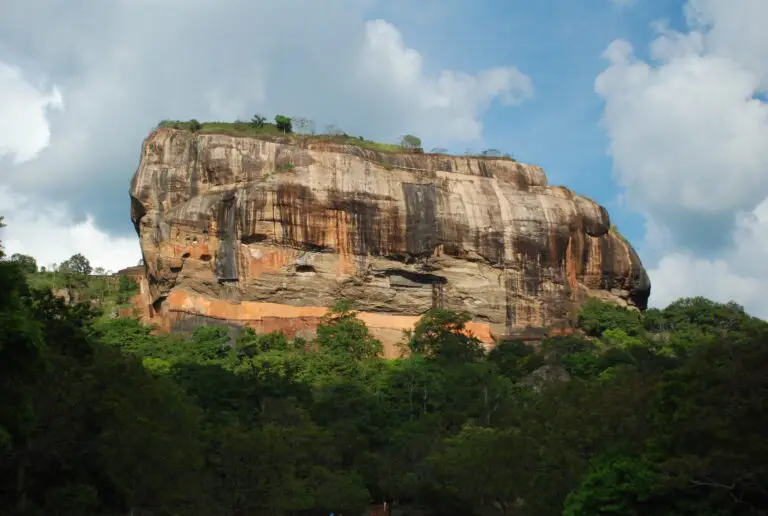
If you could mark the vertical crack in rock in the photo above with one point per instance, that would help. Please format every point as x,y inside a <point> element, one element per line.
<point>194,168</point>
<point>226,224</point>
<point>421,218</point>
<point>509,307</point>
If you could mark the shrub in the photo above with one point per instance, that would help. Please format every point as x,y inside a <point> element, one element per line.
<point>284,123</point>
<point>410,142</point>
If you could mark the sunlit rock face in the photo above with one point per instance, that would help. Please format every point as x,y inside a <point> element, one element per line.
<point>270,234</point>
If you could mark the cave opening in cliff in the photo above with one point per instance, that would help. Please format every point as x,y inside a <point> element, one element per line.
<point>404,278</point>
<point>157,304</point>
<point>306,269</point>
<point>254,239</point>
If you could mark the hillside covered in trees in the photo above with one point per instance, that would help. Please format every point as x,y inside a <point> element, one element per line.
<point>661,412</point>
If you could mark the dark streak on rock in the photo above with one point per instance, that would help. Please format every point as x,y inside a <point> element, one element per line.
<point>252,167</point>
<point>421,218</point>
<point>193,167</point>
<point>251,205</point>
<point>607,262</point>
<point>509,303</point>
<point>365,234</point>
<point>255,238</point>
<point>300,213</point>
<point>452,232</point>
<point>405,278</point>
<point>484,169</point>
<point>226,224</point>
<point>640,287</point>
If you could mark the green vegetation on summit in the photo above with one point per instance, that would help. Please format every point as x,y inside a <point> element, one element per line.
<point>302,130</point>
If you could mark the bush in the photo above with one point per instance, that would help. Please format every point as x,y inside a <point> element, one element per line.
<point>284,123</point>
<point>258,121</point>
<point>26,263</point>
<point>410,142</point>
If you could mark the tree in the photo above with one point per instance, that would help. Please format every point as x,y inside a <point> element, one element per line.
<point>77,264</point>
<point>127,288</point>
<point>597,316</point>
<point>442,333</point>
<point>333,131</point>
<point>27,263</point>
<point>194,125</point>
<point>84,429</point>
<point>515,359</point>
<point>479,466</point>
<point>616,485</point>
<point>410,142</point>
<point>250,343</point>
<point>439,150</point>
<point>206,344</point>
<point>303,125</point>
<point>284,123</point>
<point>342,333</point>
<point>258,121</point>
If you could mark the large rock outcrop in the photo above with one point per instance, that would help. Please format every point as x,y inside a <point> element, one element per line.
<point>270,233</point>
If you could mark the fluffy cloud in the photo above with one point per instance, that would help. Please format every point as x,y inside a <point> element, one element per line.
<point>36,226</point>
<point>50,233</point>
<point>454,100</point>
<point>122,66</point>
<point>687,135</point>
<point>738,273</point>
<point>24,127</point>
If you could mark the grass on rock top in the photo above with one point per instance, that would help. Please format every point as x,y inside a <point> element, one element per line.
<point>269,131</point>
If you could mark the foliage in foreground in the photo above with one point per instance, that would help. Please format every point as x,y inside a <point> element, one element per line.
<point>664,414</point>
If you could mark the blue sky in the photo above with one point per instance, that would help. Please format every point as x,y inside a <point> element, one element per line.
<point>654,108</point>
<point>559,45</point>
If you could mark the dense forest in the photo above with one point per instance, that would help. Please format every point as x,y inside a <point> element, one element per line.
<point>661,412</point>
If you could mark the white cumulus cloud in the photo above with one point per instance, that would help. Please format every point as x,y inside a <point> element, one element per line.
<point>452,101</point>
<point>34,225</point>
<point>24,129</point>
<point>48,232</point>
<point>738,273</point>
<point>688,132</point>
<point>125,66</point>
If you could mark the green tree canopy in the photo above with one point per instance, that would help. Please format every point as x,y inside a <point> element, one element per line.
<point>410,142</point>
<point>27,263</point>
<point>76,264</point>
<point>284,123</point>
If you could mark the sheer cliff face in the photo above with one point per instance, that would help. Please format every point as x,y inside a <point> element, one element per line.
<point>269,234</point>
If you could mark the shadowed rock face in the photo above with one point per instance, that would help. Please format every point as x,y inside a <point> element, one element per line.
<point>268,234</point>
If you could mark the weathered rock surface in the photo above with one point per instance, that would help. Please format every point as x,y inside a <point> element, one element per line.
<point>269,234</point>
